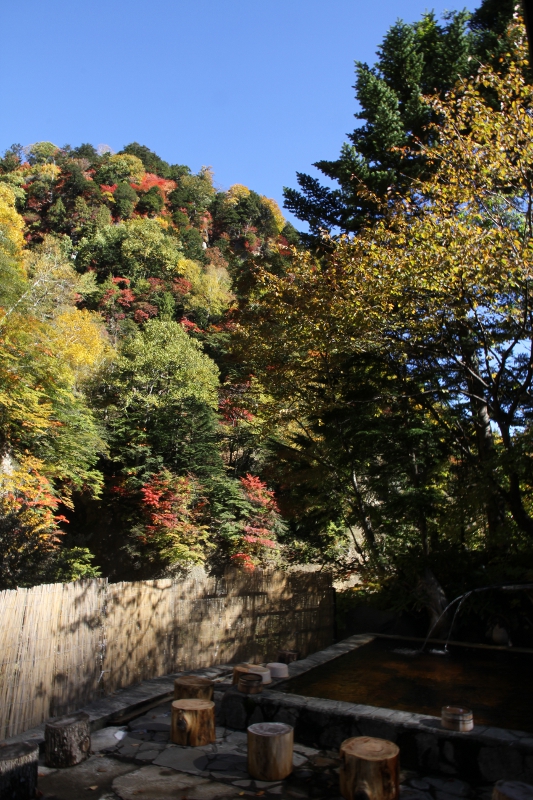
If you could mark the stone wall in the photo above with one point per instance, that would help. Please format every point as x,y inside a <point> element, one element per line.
<point>484,755</point>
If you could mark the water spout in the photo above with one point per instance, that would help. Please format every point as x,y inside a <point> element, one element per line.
<point>515,587</point>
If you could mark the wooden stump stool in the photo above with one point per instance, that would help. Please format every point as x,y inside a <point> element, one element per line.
<point>250,683</point>
<point>240,669</point>
<point>67,740</point>
<point>370,769</point>
<point>193,688</point>
<point>18,771</point>
<point>270,750</point>
<point>193,722</point>
<point>287,656</point>
<point>266,677</point>
<point>512,790</point>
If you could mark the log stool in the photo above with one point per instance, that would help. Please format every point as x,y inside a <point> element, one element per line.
<point>287,656</point>
<point>240,669</point>
<point>67,740</point>
<point>370,769</point>
<point>263,671</point>
<point>192,687</point>
<point>270,750</point>
<point>193,722</point>
<point>18,771</point>
<point>250,683</point>
<point>512,790</point>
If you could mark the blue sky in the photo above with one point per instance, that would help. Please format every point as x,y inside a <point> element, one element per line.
<point>257,90</point>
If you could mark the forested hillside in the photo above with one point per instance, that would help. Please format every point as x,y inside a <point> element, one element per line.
<point>122,433</point>
<point>186,379</point>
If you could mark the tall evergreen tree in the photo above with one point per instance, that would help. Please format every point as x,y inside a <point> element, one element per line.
<point>416,59</point>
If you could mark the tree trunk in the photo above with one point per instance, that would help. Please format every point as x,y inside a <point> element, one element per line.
<point>370,769</point>
<point>67,740</point>
<point>494,510</point>
<point>364,517</point>
<point>422,518</point>
<point>270,749</point>
<point>512,790</point>
<point>18,771</point>
<point>435,601</point>
<point>193,688</point>
<point>516,505</point>
<point>193,722</point>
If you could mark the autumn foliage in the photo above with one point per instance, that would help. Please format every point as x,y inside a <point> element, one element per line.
<point>182,382</point>
<point>115,274</point>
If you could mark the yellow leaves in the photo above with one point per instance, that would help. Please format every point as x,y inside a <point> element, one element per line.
<point>79,339</point>
<point>210,286</point>
<point>146,244</point>
<point>52,279</point>
<point>11,223</point>
<point>47,172</point>
<point>15,180</point>
<point>127,167</point>
<point>107,194</point>
<point>235,193</point>
<point>279,219</point>
<point>481,148</point>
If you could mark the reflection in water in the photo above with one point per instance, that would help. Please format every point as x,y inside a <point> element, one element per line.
<point>496,684</point>
<point>405,651</point>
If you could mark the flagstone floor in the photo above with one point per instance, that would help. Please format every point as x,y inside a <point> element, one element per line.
<point>138,762</point>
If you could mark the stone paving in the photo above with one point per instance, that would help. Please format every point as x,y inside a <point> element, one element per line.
<point>139,761</point>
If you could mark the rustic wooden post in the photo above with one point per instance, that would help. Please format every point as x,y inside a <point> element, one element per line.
<point>18,771</point>
<point>193,722</point>
<point>67,740</point>
<point>512,790</point>
<point>370,769</point>
<point>192,687</point>
<point>270,747</point>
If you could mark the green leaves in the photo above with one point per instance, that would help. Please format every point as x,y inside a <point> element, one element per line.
<point>397,366</point>
<point>414,60</point>
<point>160,365</point>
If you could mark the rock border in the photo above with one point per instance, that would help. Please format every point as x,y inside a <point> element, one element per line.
<point>485,754</point>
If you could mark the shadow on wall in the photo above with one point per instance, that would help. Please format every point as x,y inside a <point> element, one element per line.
<point>63,645</point>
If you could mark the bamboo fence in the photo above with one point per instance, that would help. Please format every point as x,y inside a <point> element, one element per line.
<point>63,645</point>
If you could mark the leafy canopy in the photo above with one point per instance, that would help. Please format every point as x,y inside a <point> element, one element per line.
<point>429,308</point>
